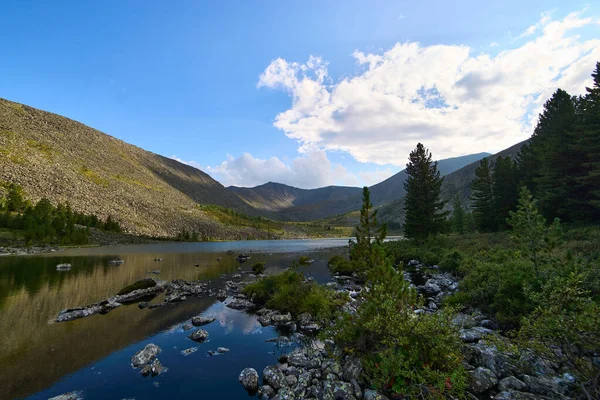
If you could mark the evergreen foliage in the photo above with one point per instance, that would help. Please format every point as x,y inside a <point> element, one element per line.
<point>482,201</point>
<point>504,190</point>
<point>368,235</point>
<point>423,206</point>
<point>458,217</point>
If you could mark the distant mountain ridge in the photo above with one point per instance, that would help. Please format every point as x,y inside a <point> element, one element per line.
<point>294,204</point>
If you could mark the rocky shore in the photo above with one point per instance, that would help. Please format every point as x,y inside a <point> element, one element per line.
<point>27,250</point>
<point>317,369</point>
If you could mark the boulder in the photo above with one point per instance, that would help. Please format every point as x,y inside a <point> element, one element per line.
<point>487,355</point>
<point>482,379</point>
<point>189,351</point>
<point>515,395</point>
<point>281,319</point>
<point>265,392</point>
<point>241,304</point>
<point>475,334</point>
<point>75,395</point>
<point>141,284</point>
<point>199,335</point>
<point>551,386</point>
<point>511,383</point>
<point>352,370</point>
<point>373,395</point>
<point>223,350</point>
<point>200,320</point>
<point>464,321</point>
<point>249,379</point>
<point>145,356</point>
<point>273,377</point>
<point>154,368</point>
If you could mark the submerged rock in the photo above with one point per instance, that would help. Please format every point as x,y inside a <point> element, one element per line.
<point>102,307</point>
<point>199,335</point>
<point>154,368</point>
<point>63,267</point>
<point>145,356</point>
<point>273,377</point>
<point>249,379</point>
<point>189,351</point>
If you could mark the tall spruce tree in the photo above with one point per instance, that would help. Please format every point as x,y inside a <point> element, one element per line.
<point>482,201</point>
<point>423,205</point>
<point>552,143</point>
<point>504,190</point>
<point>586,190</point>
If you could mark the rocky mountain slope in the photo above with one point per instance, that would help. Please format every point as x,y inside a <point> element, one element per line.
<point>290,203</point>
<point>61,159</point>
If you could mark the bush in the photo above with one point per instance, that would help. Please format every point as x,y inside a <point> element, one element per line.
<point>404,354</point>
<point>258,268</point>
<point>289,292</point>
<point>304,260</point>
<point>341,265</point>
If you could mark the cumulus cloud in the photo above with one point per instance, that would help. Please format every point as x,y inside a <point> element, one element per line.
<point>310,170</point>
<point>191,163</point>
<point>372,177</point>
<point>454,101</point>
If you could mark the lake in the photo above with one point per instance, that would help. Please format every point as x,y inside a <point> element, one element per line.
<point>40,359</point>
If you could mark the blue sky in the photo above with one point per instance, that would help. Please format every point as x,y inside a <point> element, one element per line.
<point>308,93</point>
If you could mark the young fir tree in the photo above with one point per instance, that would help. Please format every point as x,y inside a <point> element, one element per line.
<point>552,143</point>
<point>585,200</point>
<point>422,203</point>
<point>482,201</point>
<point>527,166</point>
<point>368,235</point>
<point>504,190</point>
<point>530,231</point>
<point>458,216</point>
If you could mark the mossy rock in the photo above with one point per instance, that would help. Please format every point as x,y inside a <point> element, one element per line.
<point>141,284</point>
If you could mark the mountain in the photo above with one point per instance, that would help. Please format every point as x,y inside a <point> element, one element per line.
<point>276,196</point>
<point>294,204</point>
<point>456,182</point>
<point>63,160</point>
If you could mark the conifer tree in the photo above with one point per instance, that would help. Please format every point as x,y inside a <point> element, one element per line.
<point>504,190</point>
<point>553,140</point>
<point>586,192</point>
<point>422,203</point>
<point>482,202</point>
<point>368,234</point>
<point>458,216</point>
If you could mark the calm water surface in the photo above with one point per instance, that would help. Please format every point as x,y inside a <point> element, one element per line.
<point>40,359</point>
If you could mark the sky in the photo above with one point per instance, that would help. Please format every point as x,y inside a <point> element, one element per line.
<point>307,93</point>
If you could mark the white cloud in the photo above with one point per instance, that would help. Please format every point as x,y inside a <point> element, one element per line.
<point>310,170</point>
<point>494,44</point>
<point>454,101</point>
<point>191,163</point>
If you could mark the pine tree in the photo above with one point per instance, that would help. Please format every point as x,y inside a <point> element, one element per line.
<point>458,216</point>
<point>504,190</point>
<point>422,203</point>
<point>527,166</point>
<point>586,199</point>
<point>552,141</point>
<point>15,201</point>
<point>482,201</point>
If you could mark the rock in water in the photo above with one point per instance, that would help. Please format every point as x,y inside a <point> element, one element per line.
<point>155,368</point>
<point>76,395</point>
<point>199,336</point>
<point>249,379</point>
<point>223,350</point>
<point>189,351</point>
<point>145,356</point>
<point>200,321</point>
<point>63,267</point>
<point>241,304</point>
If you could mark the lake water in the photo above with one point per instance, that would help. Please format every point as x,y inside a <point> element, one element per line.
<point>41,359</point>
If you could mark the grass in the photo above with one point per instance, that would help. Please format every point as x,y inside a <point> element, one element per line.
<point>93,177</point>
<point>126,179</point>
<point>43,148</point>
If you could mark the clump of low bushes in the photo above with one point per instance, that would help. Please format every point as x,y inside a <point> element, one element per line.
<point>290,292</point>
<point>258,268</point>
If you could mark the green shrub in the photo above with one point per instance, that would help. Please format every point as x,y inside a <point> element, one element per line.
<point>451,262</point>
<point>404,354</point>
<point>289,292</point>
<point>258,268</point>
<point>304,260</point>
<point>341,265</point>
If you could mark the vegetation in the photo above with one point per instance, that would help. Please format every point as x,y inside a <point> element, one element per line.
<point>341,265</point>
<point>403,353</point>
<point>304,260</point>
<point>422,203</point>
<point>44,223</point>
<point>290,292</point>
<point>258,268</point>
